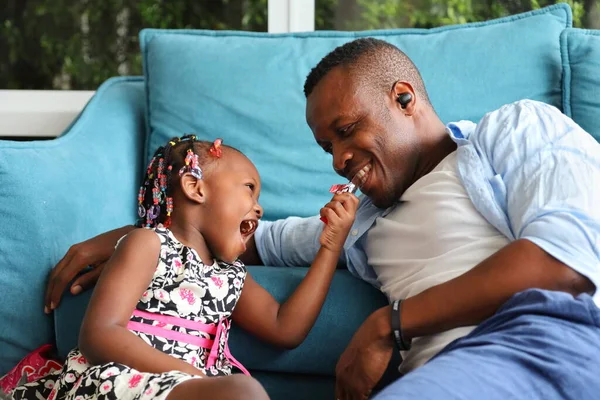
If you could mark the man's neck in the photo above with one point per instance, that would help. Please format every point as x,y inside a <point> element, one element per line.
<point>434,151</point>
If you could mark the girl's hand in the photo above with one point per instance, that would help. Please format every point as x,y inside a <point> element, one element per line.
<point>339,214</point>
<point>287,325</point>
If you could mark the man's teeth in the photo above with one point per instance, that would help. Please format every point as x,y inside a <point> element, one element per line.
<point>361,176</point>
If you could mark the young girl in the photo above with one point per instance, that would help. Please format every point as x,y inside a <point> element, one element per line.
<point>159,318</point>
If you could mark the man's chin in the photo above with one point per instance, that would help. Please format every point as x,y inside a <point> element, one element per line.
<point>381,200</point>
<point>380,203</point>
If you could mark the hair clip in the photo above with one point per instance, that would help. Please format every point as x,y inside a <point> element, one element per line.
<point>156,195</point>
<point>169,206</point>
<point>150,166</point>
<point>167,222</point>
<point>162,178</point>
<point>152,214</point>
<point>191,165</point>
<point>141,196</point>
<point>216,149</point>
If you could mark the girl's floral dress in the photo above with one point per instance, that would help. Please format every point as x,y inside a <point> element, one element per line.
<point>185,312</point>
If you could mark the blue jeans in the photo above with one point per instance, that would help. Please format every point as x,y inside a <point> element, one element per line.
<point>540,345</point>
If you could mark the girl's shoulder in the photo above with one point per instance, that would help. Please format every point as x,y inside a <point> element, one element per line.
<point>140,235</point>
<point>163,233</point>
<point>139,240</point>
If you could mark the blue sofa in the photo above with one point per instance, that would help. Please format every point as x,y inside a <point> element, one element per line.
<point>247,89</point>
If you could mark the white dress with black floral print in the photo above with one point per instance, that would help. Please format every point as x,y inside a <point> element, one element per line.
<point>182,287</point>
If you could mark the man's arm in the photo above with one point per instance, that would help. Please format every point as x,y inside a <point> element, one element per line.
<point>463,301</point>
<point>476,295</point>
<point>552,199</point>
<point>93,252</point>
<point>290,242</point>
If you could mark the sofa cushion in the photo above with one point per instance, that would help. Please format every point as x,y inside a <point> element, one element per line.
<point>348,303</point>
<point>581,83</point>
<point>248,88</point>
<point>59,192</point>
<point>296,386</point>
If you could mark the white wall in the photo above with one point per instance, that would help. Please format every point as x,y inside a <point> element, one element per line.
<point>291,16</point>
<point>39,113</point>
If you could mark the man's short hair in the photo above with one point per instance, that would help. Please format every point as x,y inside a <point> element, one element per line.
<point>377,63</point>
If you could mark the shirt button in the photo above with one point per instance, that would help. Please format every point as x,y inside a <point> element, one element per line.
<point>354,232</point>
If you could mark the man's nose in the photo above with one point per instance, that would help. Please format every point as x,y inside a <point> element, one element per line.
<point>340,161</point>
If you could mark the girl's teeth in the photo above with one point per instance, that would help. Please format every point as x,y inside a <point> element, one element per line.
<point>247,227</point>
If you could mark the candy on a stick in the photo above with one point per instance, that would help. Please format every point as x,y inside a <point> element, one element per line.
<point>341,188</point>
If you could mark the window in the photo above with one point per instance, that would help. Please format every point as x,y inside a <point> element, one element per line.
<point>78,44</point>
<point>382,14</point>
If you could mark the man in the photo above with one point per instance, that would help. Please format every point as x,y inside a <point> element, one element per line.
<point>489,233</point>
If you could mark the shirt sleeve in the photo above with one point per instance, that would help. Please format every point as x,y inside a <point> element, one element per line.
<point>290,242</point>
<point>546,173</point>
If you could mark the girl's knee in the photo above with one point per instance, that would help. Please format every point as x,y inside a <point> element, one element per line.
<point>234,387</point>
<point>248,387</point>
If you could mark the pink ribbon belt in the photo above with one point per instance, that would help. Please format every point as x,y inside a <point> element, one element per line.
<point>217,330</point>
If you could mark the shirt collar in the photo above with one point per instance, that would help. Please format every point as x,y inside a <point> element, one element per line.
<point>460,131</point>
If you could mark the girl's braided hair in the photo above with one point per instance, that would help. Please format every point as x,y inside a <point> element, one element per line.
<point>155,198</point>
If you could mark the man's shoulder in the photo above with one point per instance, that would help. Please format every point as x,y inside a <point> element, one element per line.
<point>520,114</point>
<point>519,122</point>
<point>532,112</point>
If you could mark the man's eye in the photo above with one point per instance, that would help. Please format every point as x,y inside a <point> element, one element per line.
<point>327,149</point>
<point>251,186</point>
<point>345,130</point>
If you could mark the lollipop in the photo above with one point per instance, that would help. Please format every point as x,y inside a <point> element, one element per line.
<point>341,188</point>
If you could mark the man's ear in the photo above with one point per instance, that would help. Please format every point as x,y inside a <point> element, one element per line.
<point>193,188</point>
<point>404,97</point>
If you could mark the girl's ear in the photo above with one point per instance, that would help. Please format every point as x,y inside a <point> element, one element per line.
<point>193,188</point>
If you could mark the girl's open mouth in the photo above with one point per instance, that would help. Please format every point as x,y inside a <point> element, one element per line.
<point>248,227</point>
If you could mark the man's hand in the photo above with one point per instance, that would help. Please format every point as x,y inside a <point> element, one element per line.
<point>366,358</point>
<point>93,252</point>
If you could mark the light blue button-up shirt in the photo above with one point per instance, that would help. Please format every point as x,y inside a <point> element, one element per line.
<point>531,171</point>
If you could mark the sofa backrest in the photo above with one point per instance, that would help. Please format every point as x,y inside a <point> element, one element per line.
<point>248,88</point>
<point>581,84</point>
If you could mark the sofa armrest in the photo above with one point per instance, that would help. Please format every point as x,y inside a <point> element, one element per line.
<point>54,193</point>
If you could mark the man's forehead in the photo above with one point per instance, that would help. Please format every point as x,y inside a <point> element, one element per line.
<point>333,97</point>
